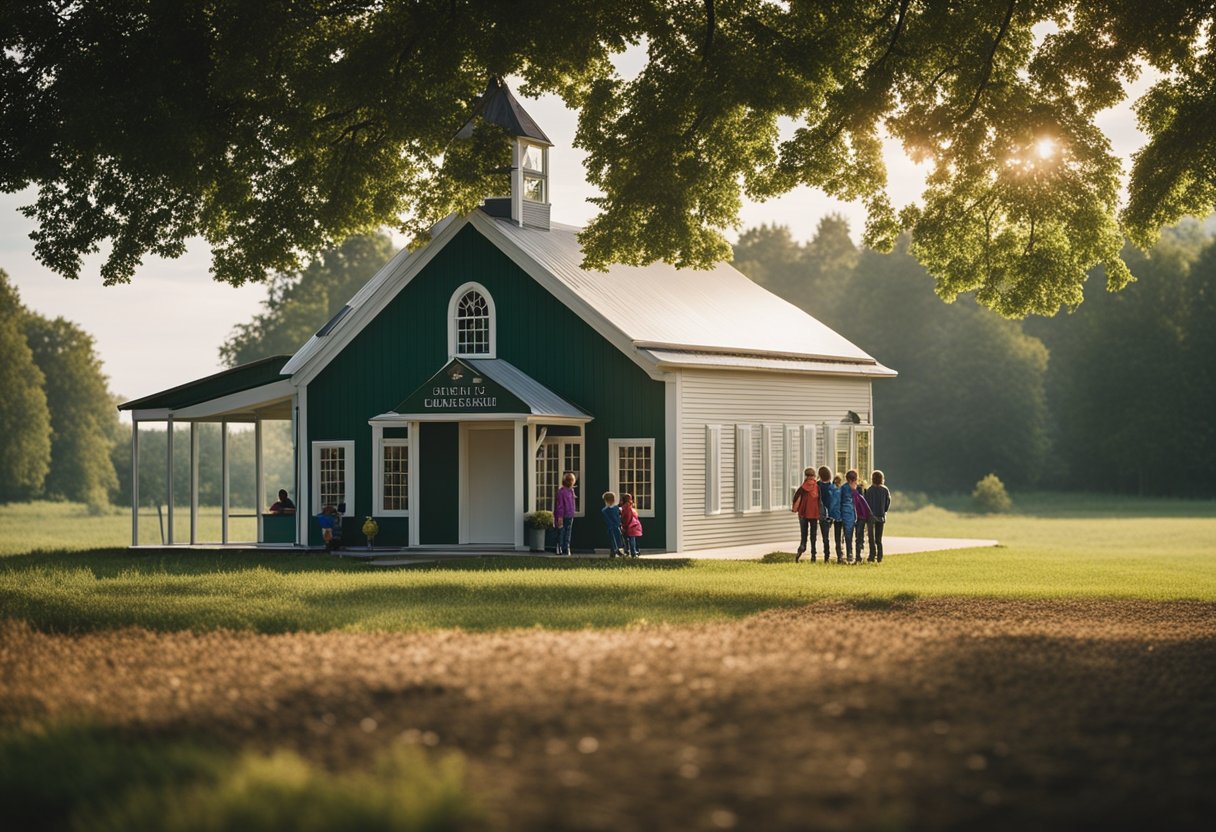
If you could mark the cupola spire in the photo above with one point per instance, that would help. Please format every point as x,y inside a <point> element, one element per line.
<point>528,204</point>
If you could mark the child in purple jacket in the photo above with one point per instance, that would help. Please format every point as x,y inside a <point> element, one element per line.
<point>563,513</point>
<point>863,513</point>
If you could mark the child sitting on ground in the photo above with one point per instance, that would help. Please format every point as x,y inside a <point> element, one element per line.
<point>630,525</point>
<point>612,519</point>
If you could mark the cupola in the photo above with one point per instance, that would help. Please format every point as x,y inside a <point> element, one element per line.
<point>528,204</point>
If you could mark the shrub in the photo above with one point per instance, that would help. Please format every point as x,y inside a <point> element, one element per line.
<point>539,520</point>
<point>909,500</point>
<point>990,496</point>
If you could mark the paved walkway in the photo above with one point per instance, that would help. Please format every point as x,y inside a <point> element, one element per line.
<point>755,551</point>
<point>890,546</point>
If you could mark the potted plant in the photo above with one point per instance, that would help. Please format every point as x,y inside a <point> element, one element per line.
<point>536,524</point>
<point>370,529</point>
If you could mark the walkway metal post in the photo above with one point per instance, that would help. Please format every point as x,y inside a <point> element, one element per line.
<point>134,481</point>
<point>194,482</point>
<point>169,474</point>
<point>259,475</point>
<point>224,483</point>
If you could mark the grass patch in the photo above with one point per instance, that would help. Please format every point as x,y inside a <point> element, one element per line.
<point>72,777</point>
<point>1114,554</point>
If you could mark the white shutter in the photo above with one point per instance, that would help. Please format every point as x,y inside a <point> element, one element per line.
<point>713,469</point>
<point>793,475</point>
<point>766,468</point>
<point>743,467</point>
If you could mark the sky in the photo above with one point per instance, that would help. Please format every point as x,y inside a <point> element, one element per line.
<point>166,326</point>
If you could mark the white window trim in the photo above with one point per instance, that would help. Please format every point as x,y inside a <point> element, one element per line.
<point>581,504</point>
<point>453,301</point>
<point>379,443</point>
<point>614,478</point>
<point>348,465</point>
<point>713,469</point>
<point>743,469</point>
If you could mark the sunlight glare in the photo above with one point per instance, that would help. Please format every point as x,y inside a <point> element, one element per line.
<point>1045,148</point>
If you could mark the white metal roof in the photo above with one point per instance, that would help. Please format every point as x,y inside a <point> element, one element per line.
<point>735,361</point>
<point>718,313</point>
<point>541,401</point>
<point>718,309</point>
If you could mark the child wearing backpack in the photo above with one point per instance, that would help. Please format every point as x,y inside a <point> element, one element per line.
<point>862,509</point>
<point>806,506</point>
<point>825,508</point>
<point>848,513</point>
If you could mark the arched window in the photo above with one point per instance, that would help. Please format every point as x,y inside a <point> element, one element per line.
<point>471,328</point>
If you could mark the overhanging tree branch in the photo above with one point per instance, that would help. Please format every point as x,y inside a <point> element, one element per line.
<point>990,62</point>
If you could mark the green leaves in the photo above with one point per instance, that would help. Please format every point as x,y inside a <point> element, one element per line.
<point>277,130</point>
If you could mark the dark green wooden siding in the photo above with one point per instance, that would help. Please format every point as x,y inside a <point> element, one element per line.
<point>407,344</point>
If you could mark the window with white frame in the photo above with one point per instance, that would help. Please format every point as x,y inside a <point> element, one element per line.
<point>844,446</point>
<point>333,475</point>
<point>394,477</point>
<point>554,457</point>
<point>631,470</point>
<point>713,469</point>
<point>863,438</point>
<point>777,498</point>
<point>471,324</point>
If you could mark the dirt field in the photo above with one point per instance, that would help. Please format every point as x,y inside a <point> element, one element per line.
<point>873,715</point>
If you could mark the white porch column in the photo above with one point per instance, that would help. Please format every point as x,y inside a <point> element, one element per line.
<point>134,481</point>
<point>259,475</point>
<point>303,460</point>
<point>519,485</point>
<point>531,468</point>
<point>412,480</point>
<point>194,482</point>
<point>224,483</point>
<point>169,475</point>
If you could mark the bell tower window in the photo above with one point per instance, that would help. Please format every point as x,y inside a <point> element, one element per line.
<point>471,325</point>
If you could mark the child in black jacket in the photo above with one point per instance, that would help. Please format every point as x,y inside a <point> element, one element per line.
<point>878,498</point>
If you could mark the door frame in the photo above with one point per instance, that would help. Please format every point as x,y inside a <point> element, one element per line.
<point>516,429</point>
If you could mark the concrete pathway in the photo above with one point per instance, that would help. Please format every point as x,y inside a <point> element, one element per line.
<point>890,546</point>
<point>755,551</point>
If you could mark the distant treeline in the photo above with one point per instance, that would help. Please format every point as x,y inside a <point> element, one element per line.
<point>1116,396</point>
<point>57,418</point>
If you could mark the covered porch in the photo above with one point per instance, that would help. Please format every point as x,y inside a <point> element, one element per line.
<point>249,396</point>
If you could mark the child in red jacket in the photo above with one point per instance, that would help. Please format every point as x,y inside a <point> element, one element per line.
<point>630,525</point>
<point>806,506</point>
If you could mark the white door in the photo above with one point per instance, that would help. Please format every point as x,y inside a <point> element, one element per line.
<point>489,477</point>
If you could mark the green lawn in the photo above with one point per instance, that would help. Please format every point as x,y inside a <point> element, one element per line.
<point>1126,552</point>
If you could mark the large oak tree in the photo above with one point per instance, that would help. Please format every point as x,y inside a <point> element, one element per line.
<point>275,129</point>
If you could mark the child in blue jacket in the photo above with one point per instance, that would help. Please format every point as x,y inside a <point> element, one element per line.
<point>612,519</point>
<point>829,511</point>
<point>848,514</point>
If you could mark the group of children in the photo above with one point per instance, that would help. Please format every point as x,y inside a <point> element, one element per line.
<point>624,527</point>
<point>841,509</point>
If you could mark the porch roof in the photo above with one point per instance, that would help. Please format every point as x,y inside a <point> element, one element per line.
<point>264,373</point>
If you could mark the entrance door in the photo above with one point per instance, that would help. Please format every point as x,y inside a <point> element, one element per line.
<point>489,510</point>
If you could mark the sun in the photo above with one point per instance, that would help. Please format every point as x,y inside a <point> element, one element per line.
<point>1045,148</point>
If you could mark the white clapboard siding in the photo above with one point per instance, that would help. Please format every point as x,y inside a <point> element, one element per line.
<point>727,399</point>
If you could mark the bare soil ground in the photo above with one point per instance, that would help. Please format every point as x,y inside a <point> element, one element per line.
<point>917,714</point>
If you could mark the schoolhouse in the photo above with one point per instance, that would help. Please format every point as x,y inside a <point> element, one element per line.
<point>452,392</point>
